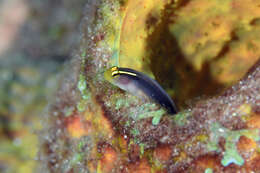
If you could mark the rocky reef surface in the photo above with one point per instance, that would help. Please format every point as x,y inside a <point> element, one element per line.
<point>192,48</point>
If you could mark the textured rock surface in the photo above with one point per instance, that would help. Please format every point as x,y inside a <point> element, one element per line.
<point>36,38</point>
<point>93,126</point>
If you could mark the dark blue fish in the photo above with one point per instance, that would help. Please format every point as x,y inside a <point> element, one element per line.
<point>140,85</point>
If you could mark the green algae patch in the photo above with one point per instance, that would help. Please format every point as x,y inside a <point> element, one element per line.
<point>142,146</point>
<point>82,84</point>
<point>181,118</point>
<point>142,111</point>
<point>231,154</point>
<point>76,158</point>
<point>135,132</point>
<point>156,115</point>
<point>149,111</point>
<point>82,87</point>
<point>68,111</point>
<point>84,92</point>
<point>82,105</point>
<point>121,103</point>
<point>208,170</point>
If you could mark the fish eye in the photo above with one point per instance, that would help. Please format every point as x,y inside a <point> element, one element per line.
<point>114,71</point>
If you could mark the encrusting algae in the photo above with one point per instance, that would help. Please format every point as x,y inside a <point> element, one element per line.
<point>183,45</point>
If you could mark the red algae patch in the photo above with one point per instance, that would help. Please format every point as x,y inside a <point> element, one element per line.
<point>254,164</point>
<point>76,128</point>
<point>246,145</point>
<point>206,161</point>
<point>100,122</point>
<point>254,121</point>
<point>108,158</point>
<point>163,153</point>
<point>141,166</point>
